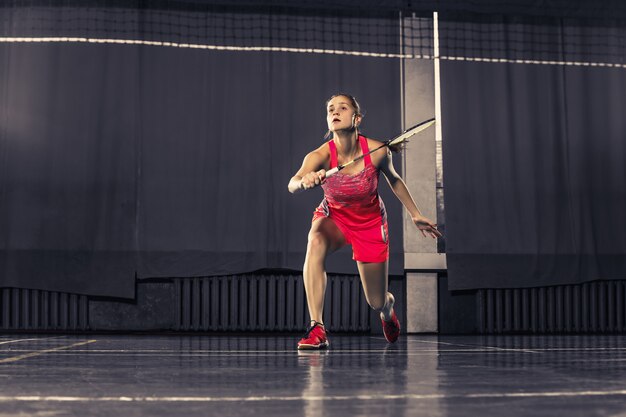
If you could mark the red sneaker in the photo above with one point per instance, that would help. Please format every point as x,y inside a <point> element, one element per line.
<point>315,337</point>
<point>391,328</point>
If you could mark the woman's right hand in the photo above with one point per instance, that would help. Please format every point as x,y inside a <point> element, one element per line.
<point>313,179</point>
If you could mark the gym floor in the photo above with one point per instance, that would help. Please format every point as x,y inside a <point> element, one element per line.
<point>230,375</point>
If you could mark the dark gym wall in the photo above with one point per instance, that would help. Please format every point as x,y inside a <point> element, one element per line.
<point>533,153</point>
<point>121,160</point>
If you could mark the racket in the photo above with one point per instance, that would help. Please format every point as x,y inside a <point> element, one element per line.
<point>394,141</point>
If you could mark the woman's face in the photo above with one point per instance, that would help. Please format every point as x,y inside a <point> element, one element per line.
<point>340,114</point>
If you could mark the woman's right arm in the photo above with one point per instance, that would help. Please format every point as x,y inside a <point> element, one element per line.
<point>309,175</point>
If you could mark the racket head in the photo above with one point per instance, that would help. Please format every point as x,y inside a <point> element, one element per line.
<point>411,132</point>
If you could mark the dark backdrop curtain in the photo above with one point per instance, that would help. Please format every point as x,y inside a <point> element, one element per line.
<point>213,196</point>
<point>534,155</point>
<point>68,168</point>
<point>125,160</point>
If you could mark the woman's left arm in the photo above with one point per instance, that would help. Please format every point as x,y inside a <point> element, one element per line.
<point>425,225</point>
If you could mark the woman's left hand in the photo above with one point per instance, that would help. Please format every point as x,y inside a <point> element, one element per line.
<point>427,227</point>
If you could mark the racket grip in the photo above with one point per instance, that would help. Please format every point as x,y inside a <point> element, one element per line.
<point>332,172</point>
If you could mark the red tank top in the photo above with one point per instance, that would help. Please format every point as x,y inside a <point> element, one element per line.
<point>354,199</point>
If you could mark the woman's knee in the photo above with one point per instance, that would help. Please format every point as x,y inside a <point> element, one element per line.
<point>318,243</point>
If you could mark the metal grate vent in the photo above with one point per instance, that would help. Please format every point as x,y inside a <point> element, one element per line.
<point>267,303</point>
<point>595,307</point>
<point>23,309</point>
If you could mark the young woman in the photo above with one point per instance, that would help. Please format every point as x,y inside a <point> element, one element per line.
<point>351,213</point>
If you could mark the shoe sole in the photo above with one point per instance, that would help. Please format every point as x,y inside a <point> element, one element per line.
<point>313,347</point>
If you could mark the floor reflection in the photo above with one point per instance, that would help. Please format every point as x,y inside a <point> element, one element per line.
<point>358,376</point>
<point>579,375</point>
<point>313,392</point>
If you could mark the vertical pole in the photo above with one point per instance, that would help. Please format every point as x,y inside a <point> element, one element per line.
<point>437,77</point>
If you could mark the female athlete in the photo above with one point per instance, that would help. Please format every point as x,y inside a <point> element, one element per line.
<point>351,213</point>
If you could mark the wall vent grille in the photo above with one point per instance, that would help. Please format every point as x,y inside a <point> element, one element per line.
<point>594,307</point>
<point>24,309</point>
<point>250,303</point>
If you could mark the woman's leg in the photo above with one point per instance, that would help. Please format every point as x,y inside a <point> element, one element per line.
<point>324,238</point>
<point>374,280</point>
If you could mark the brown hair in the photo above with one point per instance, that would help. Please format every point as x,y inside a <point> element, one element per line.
<point>353,102</point>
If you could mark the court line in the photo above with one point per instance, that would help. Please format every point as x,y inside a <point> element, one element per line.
<point>289,352</point>
<point>480,346</point>
<point>28,340</point>
<point>41,352</point>
<point>219,352</point>
<point>242,357</point>
<point>308,398</point>
<point>477,347</point>
<point>468,348</point>
<point>175,352</point>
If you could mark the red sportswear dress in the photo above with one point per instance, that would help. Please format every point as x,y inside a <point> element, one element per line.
<point>353,203</point>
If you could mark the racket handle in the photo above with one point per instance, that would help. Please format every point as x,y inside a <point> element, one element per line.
<point>332,172</point>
